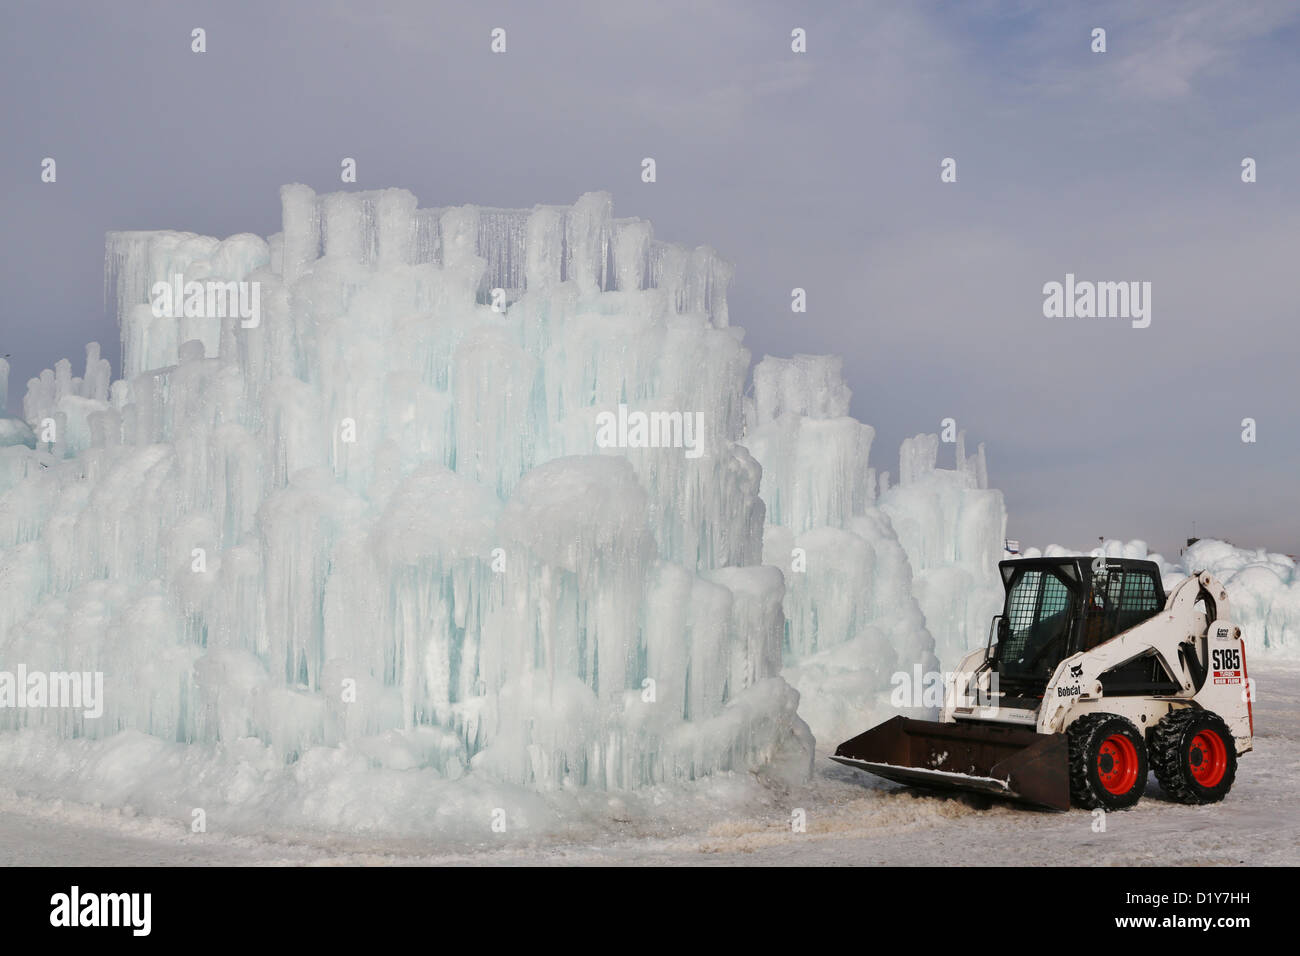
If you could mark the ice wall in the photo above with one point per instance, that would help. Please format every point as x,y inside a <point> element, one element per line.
<point>1263,587</point>
<point>13,431</point>
<point>877,585</point>
<point>952,526</point>
<point>377,518</point>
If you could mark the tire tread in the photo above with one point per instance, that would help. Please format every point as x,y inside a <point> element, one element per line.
<point>1082,736</point>
<point>1167,743</point>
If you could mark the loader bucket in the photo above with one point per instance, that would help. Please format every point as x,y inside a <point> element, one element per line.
<point>1013,762</point>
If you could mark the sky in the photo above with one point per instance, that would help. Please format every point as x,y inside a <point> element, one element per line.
<point>817,170</point>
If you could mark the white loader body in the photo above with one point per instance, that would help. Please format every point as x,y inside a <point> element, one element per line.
<point>1096,680</point>
<point>1174,635</point>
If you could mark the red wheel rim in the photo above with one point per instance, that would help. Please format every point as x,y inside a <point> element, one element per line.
<point>1208,758</point>
<point>1117,764</point>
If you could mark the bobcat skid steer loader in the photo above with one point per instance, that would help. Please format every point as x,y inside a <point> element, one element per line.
<point>1094,679</point>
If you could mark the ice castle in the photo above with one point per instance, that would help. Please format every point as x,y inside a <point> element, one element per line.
<point>376,518</point>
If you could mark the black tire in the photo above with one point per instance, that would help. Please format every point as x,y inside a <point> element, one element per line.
<point>1108,762</point>
<point>1193,755</point>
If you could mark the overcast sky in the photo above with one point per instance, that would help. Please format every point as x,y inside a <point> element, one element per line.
<point>818,170</point>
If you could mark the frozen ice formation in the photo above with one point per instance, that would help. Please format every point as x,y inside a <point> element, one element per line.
<point>880,580</point>
<point>1264,587</point>
<point>347,502</point>
<point>375,504</point>
<point>13,431</point>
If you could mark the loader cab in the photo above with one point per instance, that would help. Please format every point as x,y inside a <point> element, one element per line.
<point>1057,607</point>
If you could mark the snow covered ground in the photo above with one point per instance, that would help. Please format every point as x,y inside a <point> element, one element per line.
<point>852,819</point>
